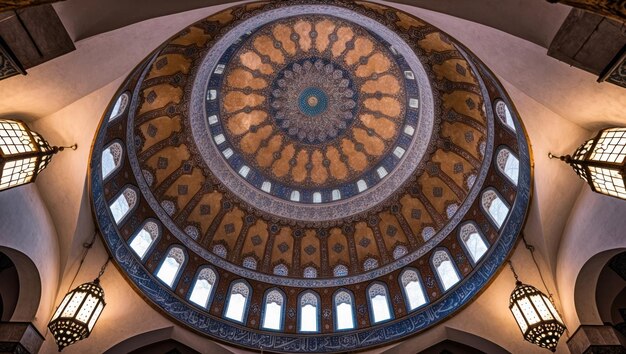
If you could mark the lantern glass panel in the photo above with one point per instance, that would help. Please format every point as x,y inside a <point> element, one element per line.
<point>17,172</point>
<point>528,310</point>
<point>95,316</point>
<point>521,322</point>
<point>554,312</point>
<point>62,306</point>
<point>74,303</point>
<point>14,138</point>
<point>540,304</point>
<point>87,308</point>
<point>611,146</point>
<point>608,181</point>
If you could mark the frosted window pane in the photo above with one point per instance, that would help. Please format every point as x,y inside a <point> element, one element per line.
<point>380,308</point>
<point>273,313</point>
<point>308,318</point>
<point>169,269</point>
<point>476,246</point>
<point>108,163</point>
<point>236,306</point>
<point>119,107</point>
<point>344,316</point>
<point>415,294</point>
<point>447,274</point>
<point>119,208</point>
<point>141,243</point>
<point>498,211</point>
<point>511,168</point>
<point>201,292</point>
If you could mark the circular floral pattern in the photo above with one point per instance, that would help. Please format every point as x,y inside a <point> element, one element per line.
<point>312,106</point>
<point>254,209</point>
<point>313,102</point>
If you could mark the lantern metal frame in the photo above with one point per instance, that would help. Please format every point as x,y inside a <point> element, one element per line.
<point>80,309</point>
<point>23,154</point>
<point>601,162</point>
<point>535,313</point>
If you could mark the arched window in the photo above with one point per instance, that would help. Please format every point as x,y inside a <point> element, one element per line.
<point>171,266</point>
<point>144,239</point>
<point>379,302</point>
<point>399,251</point>
<point>428,233</point>
<point>495,207</point>
<point>124,203</point>
<point>310,272</point>
<point>237,302</point>
<point>503,112</point>
<point>413,290</point>
<point>370,264</point>
<point>220,250</point>
<point>281,270</point>
<point>111,159</point>
<point>273,310</point>
<point>308,312</point>
<point>250,263</point>
<point>451,210</point>
<point>445,269</point>
<point>203,286</point>
<point>340,270</point>
<point>343,303</point>
<point>473,241</point>
<point>119,107</point>
<point>508,164</point>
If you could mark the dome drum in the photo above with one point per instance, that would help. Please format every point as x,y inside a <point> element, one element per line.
<point>311,149</point>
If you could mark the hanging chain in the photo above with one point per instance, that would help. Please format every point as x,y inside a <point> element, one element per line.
<point>103,268</point>
<point>513,270</point>
<point>531,248</point>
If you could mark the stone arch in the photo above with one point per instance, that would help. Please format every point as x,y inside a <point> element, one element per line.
<point>143,340</point>
<point>586,285</point>
<point>29,293</point>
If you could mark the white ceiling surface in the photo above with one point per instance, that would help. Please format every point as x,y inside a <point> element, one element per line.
<point>554,89</point>
<point>534,20</point>
<point>98,60</point>
<point>554,100</point>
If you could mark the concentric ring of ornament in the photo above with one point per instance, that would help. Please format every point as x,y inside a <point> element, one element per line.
<point>287,183</point>
<point>149,203</point>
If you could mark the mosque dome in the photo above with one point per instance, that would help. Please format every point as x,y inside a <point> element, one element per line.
<point>310,176</point>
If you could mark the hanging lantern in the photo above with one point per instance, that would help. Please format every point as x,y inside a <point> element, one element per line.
<point>79,311</point>
<point>23,154</point>
<point>75,317</point>
<point>535,314</point>
<point>601,162</point>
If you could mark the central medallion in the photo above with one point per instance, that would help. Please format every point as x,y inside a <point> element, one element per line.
<point>314,111</point>
<point>313,101</point>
